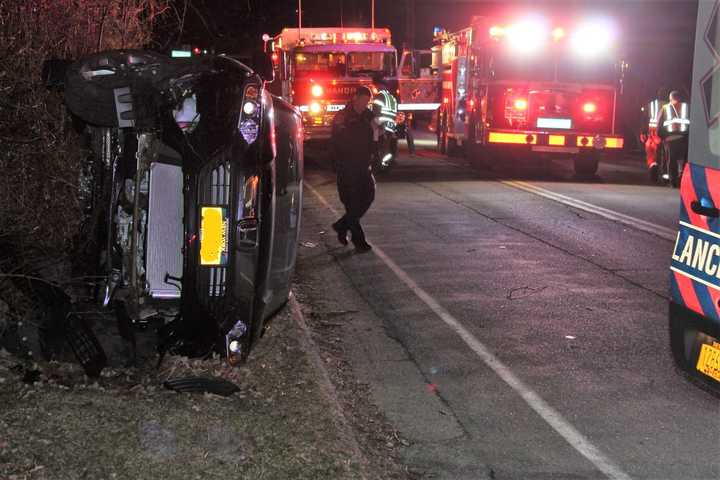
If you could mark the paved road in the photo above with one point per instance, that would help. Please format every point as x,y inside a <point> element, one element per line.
<point>534,309</point>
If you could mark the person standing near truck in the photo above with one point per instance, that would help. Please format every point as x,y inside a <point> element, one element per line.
<point>352,141</point>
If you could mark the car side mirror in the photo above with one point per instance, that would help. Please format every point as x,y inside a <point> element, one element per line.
<point>53,72</point>
<point>263,66</point>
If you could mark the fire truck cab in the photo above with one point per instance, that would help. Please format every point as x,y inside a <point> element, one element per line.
<point>532,88</point>
<point>418,83</point>
<point>318,69</point>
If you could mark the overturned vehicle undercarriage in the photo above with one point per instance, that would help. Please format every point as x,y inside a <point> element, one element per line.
<point>193,197</point>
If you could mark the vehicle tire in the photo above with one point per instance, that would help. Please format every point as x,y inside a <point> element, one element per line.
<point>685,345</point>
<point>586,165</point>
<point>453,150</point>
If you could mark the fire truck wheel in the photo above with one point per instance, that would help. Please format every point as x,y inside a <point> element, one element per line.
<point>477,157</point>
<point>453,150</point>
<point>586,165</point>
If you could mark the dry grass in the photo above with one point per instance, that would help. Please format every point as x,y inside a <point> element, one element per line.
<point>126,425</point>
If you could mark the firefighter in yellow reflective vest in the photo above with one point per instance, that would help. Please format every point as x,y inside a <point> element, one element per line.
<point>673,125</point>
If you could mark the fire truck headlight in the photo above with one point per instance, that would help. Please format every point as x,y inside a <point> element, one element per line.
<point>592,39</point>
<point>527,36</point>
<point>316,90</point>
<point>315,108</point>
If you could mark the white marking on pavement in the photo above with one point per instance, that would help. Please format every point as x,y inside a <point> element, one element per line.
<point>634,222</point>
<point>576,439</point>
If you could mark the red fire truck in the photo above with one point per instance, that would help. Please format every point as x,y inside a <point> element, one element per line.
<point>530,88</point>
<point>318,69</point>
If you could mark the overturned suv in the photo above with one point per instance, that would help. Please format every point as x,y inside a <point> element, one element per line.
<point>193,198</point>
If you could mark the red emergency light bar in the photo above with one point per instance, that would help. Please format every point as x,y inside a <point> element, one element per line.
<point>292,37</point>
<point>588,38</point>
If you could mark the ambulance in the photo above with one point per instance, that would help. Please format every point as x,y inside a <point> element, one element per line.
<point>695,268</point>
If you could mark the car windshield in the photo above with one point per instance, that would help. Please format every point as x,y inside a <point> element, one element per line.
<point>341,64</point>
<point>367,63</point>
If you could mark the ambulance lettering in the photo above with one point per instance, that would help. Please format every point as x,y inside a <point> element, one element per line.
<point>697,255</point>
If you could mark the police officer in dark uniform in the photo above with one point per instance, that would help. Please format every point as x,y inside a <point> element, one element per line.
<point>352,140</point>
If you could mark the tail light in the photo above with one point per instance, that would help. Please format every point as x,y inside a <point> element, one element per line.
<point>520,104</point>
<point>516,109</point>
<point>589,107</point>
<point>592,110</point>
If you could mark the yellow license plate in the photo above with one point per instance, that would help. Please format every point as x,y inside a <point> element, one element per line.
<point>709,360</point>
<point>213,236</point>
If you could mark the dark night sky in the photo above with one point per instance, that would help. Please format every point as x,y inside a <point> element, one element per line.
<point>657,36</point>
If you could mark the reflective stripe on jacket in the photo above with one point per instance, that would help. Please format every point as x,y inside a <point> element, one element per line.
<point>676,121</point>
<point>653,113</point>
<point>388,108</point>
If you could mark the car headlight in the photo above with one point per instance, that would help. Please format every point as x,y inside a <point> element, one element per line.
<point>249,125</point>
<point>249,108</point>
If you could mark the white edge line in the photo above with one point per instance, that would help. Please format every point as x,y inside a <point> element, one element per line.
<point>571,435</point>
<point>633,222</point>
